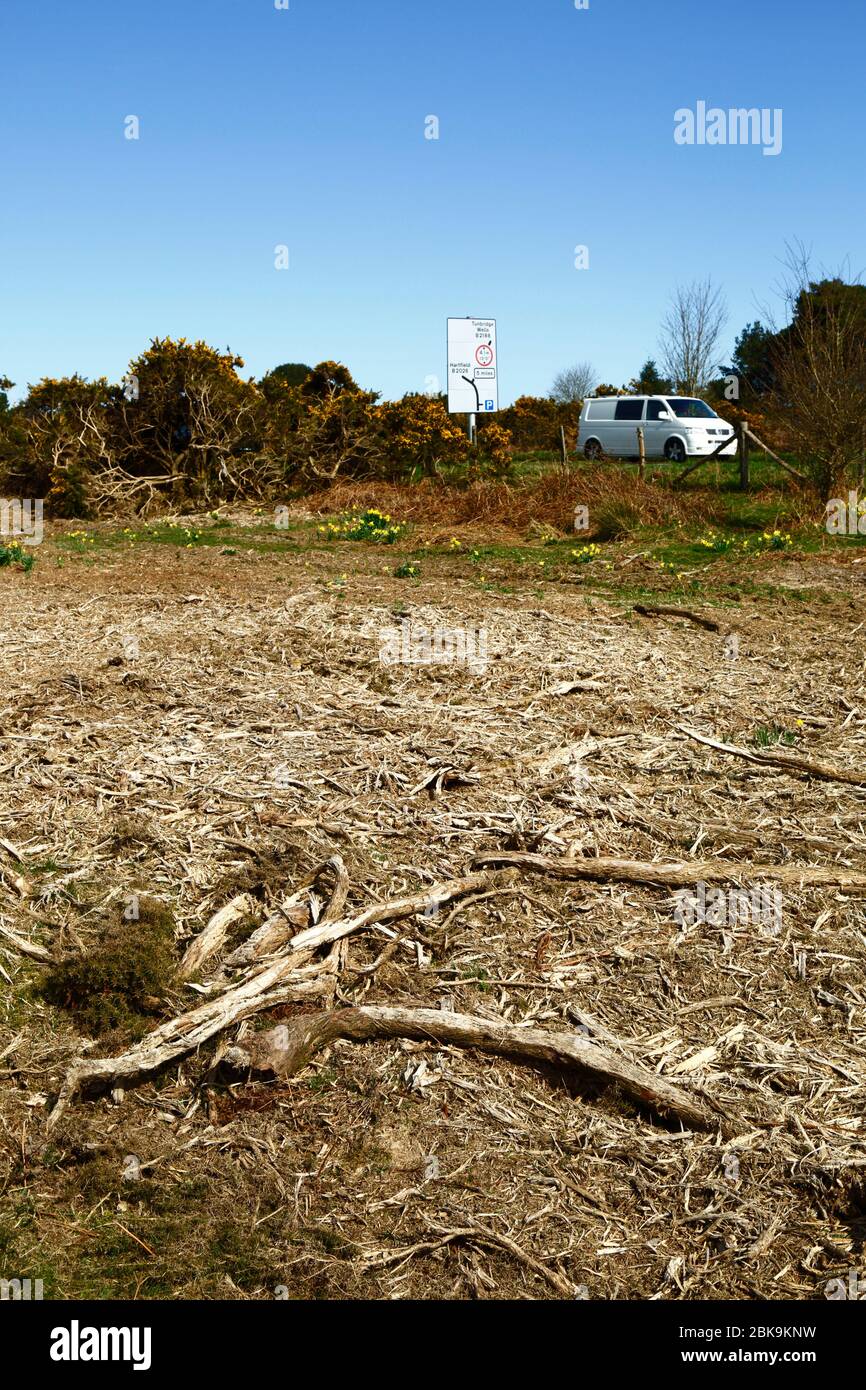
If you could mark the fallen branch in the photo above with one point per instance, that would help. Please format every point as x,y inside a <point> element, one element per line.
<point>26,948</point>
<point>679,874</point>
<point>483,1235</point>
<point>281,983</point>
<point>289,978</point>
<point>663,610</point>
<point>340,891</point>
<point>825,772</point>
<point>438,895</point>
<point>276,931</point>
<point>270,938</point>
<point>213,936</point>
<point>688,833</point>
<point>583,687</point>
<point>284,1050</point>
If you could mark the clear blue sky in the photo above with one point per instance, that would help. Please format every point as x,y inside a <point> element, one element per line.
<point>305,127</point>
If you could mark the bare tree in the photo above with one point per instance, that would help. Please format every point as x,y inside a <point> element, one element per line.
<point>690,335</point>
<point>574,383</point>
<point>819,370</point>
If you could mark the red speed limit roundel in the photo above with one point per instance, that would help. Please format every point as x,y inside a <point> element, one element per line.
<point>484,355</point>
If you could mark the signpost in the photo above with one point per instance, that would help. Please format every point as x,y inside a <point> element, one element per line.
<point>473,369</point>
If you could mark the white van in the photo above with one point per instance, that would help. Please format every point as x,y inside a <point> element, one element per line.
<point>675,427</point>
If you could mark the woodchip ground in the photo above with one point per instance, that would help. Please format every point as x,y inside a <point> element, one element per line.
<point>213,725</point>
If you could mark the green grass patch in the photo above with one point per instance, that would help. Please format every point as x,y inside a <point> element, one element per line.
<point>772,736</point>
<point>12,553</point>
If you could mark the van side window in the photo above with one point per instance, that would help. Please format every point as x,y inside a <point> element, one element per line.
<point>629,410</point>
<point>654,409</point>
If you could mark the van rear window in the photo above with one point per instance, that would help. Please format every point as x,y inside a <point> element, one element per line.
<point>629,410</point>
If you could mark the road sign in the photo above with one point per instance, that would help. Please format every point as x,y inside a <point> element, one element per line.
<point>473,368</point>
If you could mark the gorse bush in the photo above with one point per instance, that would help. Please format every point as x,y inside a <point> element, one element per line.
<point>185,428</point>
<point>120,982</point>
<point>535,422</point>
<point>420,438</point>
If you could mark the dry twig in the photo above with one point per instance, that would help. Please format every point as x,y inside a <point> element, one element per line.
<point>823,771</point>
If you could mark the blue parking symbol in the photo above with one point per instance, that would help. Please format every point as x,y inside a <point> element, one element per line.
<point>488,405</point>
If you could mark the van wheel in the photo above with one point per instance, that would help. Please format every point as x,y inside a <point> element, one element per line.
<point>675,451</point>
<point>592,449</point>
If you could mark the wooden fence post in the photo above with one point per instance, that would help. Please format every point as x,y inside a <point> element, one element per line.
<point>564,446</point>
<point>641,448</point>
<point>744,456</point>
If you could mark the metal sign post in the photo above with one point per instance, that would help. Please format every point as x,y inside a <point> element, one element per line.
<point>473,372</point>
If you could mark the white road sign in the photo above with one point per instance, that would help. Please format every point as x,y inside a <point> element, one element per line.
<point>473,368</point>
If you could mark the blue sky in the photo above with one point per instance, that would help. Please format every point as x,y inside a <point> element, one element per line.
<point>305,127</point>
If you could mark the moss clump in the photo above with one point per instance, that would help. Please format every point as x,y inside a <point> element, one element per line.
<point>130,830</point>
<point>119,984</point>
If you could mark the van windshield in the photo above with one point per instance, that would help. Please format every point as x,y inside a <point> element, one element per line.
<point>687,409</point>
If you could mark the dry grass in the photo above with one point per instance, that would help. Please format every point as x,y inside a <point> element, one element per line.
<point>547,498</point>
<point>256,733</point>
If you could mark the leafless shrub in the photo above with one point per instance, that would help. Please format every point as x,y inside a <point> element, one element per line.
<point>819,369</point>
<point>574,383</point>
<point>690,335</point>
